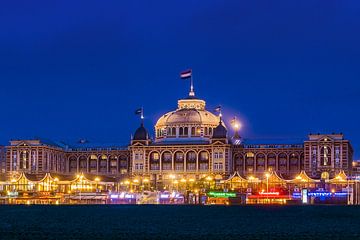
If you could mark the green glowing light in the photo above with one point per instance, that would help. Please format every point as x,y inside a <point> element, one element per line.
<point>221,194</point>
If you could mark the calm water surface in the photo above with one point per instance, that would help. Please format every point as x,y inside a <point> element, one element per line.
<point>179,222</point>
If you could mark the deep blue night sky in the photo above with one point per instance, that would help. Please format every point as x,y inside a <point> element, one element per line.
<point>71,69</point>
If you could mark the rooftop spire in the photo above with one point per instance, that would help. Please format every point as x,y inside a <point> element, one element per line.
<point>191,93</point>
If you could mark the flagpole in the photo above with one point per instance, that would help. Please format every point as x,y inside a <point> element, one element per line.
<point>191,86</point>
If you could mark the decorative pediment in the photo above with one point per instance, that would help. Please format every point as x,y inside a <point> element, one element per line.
<point>217,142</point>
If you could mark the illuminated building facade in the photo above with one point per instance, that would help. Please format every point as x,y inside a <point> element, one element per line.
<point>190,143</point>
<point>42,156</point>
<point>2,159</point>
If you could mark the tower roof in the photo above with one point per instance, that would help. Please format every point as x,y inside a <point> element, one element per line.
<point>141,133</point>
<point>220,131</point>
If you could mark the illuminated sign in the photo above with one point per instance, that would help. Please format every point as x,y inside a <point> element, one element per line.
<point>304,196</point>
<point>169,195</point>
<point>122,196</point>
<point>327,194</point>
<point>221,194</point>
<point>269,193</point>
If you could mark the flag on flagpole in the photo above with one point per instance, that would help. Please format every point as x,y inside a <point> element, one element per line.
<point>138,111</point>
<point>186,74</point>
<point>218,109</point>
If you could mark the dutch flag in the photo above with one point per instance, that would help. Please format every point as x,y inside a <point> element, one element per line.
<point>185,74</point>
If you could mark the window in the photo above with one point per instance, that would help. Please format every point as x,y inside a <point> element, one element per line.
<point>179,157</point>
<point>218,166</point>
<point>181,131</point>
<point>179,167</point>
<point>204,156</point>
<point>218,155</point>
<point>192,131</point>
<point>191,157</point>
<point>191,166</point>
<point>167,156</point>
<point>186,131</point>
<point>138,156</point>
<point>155,166</point>
<point>139,166</point>
<point>155,156</point>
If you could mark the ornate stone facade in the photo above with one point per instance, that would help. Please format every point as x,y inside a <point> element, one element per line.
<point>190,142</point>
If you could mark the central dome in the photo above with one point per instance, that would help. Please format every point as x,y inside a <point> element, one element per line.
<point>189,120</point>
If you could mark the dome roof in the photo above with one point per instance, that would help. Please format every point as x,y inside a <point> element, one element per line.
<point>220,131</point>
<point>187,116</point>
<point>141,133</point>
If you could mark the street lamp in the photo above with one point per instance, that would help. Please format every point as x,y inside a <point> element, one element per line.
<point>97,180</point>
<point>267,175</point>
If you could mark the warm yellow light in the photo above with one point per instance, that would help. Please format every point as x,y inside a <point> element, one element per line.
<point>136,180</point>
<point>127,182</point>
<point>267,175</point>
<point>298,177</point>
<point>191,180</point>
<point>56,179</point>
<point>333,190</point>
<point>13,180</point>
<point>176,182</point>
<point>251,178</point>
<point>338,177</point>
<point>146,180</point>
<point>236,124</point>
<point>57,202</point>
<point>172,176</point>
<point>97,179</point>
<point>183,180</point>
<point>209,178</point>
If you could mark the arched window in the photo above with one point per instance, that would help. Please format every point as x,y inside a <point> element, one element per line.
<point>206,131</point>
<point>113,164</point>
<point>166,160</point>
<point>282,162</point>
<point>179,161</point>
<point>191,161</point>
<point>103,164</point>
<point>260,162</point>
<point>93,163</point>
<point>154,161</point>
<point>82,164</point>
<point>123,164</point>
<point>203,161</point>
<point>249,161</point>
<point>181,131</point>
<point>192,131</point>
<point>198,131</point>
<point>173,132</point>
<point>294,162</point>
<point>271,162</point>
<point>210,131</point>
<point>72,164</point>
<point>186,131</point>
<point>238,162</point>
